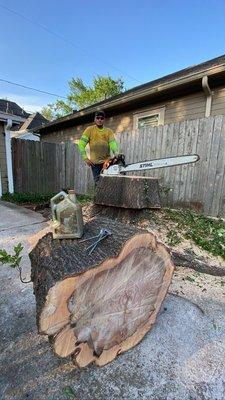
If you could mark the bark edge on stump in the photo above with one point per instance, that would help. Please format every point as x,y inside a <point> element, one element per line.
<point>128,192</point>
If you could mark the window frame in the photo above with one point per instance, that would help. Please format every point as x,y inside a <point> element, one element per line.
<point>160,111</point>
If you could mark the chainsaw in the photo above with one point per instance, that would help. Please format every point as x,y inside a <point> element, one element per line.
<point>117,165</point>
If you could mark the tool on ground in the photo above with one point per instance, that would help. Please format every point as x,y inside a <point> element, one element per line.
<point>104,233</point>
<point>67,216</point>
<point>117,165</point>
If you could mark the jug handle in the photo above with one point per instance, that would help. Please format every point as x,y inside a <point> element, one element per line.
<point>56,197</point>
<point>54,216</point>
<point>53,204</point>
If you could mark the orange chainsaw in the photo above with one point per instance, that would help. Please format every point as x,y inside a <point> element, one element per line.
<point>117,165</point>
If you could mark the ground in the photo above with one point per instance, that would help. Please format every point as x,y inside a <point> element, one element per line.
<point>182,357</point>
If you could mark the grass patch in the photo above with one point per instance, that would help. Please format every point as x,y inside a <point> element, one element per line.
<point>206,233</point>
<point>19,198</point>
<point>83,199</point>
<point>38,198</point>
<point>173,238</point>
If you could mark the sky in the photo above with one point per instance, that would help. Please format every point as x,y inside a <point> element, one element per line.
<point>44,44</point>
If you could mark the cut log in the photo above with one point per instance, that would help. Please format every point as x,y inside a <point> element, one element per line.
<point>97,306</point>
<point>135,192</point>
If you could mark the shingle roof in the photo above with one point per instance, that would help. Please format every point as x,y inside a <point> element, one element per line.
<point>33,121</point>
<point>9,107</point>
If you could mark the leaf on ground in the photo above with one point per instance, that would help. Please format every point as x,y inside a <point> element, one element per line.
<point>69,392</point>
<point>214,325</point>
<point>190,279</point>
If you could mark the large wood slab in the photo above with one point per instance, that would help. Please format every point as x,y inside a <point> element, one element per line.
<point>94,307</point>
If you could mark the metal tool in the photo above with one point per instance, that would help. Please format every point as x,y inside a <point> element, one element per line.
<point>117,165</point>
<point>102,235</point>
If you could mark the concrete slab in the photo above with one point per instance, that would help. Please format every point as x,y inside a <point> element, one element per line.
<point>12,216</point>
<point>182,357</point>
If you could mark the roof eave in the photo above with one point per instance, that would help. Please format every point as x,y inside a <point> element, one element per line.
<point>133,95</point>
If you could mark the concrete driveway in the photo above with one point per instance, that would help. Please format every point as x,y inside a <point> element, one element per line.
<point>182,357</point>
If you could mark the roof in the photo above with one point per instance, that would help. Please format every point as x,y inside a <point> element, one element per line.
<point>9,107</point>
<point>183,81</point>
<point>33,121</point>
<point>25,136</point>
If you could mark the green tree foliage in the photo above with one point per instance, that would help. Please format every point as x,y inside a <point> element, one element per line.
<point>81,95</point>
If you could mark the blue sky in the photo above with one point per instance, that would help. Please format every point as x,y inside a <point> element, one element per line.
<point>136,40</point>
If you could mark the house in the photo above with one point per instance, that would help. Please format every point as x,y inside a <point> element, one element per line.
<point>25,131</point>
<point>14,122</point>
<point>12,117</point>
<point>194,92</point>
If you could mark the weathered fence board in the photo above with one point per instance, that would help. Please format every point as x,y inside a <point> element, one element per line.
<point>50,167</point>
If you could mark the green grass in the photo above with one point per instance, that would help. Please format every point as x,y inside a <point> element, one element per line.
<point>173,238</point>
<point>206,233</point>
<point>38,198</point>
<point>84,198</point>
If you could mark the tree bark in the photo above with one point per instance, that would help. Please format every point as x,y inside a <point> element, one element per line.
<point>97,306</point>
<point>187,258</point>
<point>135,192</point>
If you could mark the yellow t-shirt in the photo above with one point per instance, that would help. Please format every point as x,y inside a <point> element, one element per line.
<point>98,139</point>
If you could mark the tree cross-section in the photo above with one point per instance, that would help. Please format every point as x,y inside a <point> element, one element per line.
<point>94,307</point>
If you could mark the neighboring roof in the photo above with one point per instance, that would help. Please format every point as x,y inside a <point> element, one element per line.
<point>9,107</point>
<point>25,136</point>
<point>179,82</point>
<point>33,121</point>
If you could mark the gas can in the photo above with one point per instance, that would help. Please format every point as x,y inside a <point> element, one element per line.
<point>67,216</point>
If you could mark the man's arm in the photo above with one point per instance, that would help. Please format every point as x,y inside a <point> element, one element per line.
<point>82,145</point>
<point>113,145</point>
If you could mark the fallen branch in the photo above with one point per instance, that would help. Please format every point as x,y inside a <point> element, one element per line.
<point>188,259</point>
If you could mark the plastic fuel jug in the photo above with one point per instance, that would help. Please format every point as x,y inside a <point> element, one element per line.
<point>67,216</point>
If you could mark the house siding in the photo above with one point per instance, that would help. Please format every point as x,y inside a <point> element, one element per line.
<point>176,110</point>
<point>3,167</point>
<point>218,103</point>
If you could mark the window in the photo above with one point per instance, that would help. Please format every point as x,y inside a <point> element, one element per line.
<point>149,118</point>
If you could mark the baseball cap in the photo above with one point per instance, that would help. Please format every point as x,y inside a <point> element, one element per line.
<point>100,114</point>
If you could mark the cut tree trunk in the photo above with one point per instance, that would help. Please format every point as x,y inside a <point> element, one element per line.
<point>96,306</point>
<point>128,192</point>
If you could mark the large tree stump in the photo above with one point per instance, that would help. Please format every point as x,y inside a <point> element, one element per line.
<point>96,306</point>
<point>128,192</point>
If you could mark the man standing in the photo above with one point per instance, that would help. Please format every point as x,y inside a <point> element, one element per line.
<point>101,141</point>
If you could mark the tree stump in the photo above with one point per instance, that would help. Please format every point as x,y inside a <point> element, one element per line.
<point>128,192</point>
<point>97,306</point>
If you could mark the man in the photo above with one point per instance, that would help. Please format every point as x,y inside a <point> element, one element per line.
<point>101,141</point>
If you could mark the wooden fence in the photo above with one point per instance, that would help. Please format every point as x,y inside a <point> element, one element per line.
<point>40,167</point>
<point>45,167</point>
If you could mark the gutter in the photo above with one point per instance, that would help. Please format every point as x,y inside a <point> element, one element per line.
<point>15,118</point>
<point>208,93</point>
<point>8,149</point>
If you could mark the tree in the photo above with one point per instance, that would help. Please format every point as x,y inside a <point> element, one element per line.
<point>81,96</point>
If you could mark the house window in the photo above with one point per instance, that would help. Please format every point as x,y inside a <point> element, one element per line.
<point>149,118</point>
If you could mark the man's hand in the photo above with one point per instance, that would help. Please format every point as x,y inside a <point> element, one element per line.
<point>88,162</point>
<point>106,164</point>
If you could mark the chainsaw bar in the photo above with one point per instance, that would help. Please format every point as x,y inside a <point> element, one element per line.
<point>152,164</point>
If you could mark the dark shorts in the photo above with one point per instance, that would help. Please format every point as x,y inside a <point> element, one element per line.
<point>96,170</point>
